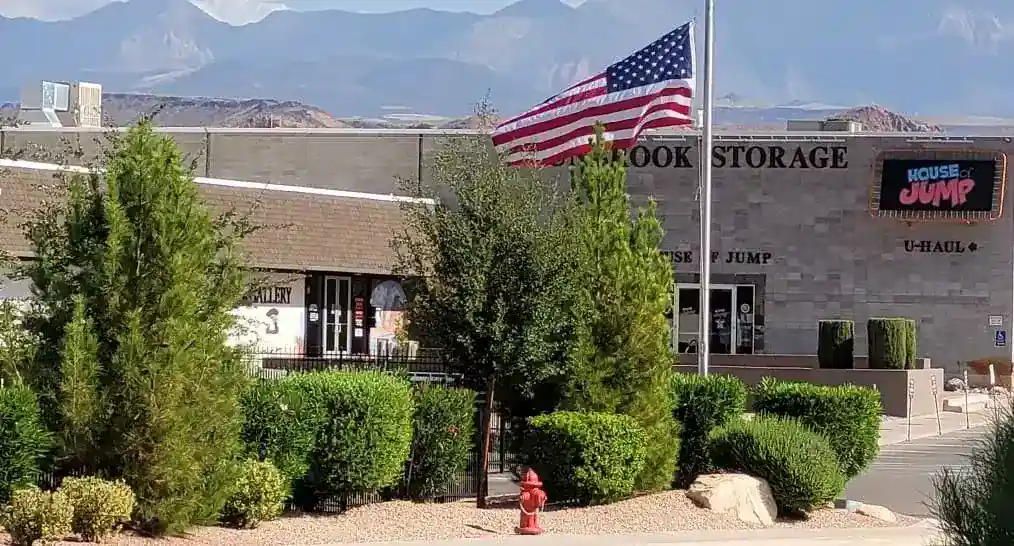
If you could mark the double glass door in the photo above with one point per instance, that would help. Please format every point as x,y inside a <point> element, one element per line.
<point>337,300</point>
<point>731,320</point>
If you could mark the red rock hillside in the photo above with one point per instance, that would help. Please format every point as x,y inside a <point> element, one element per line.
<point>881,120</point>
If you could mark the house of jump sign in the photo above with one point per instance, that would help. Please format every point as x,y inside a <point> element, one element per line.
<point>739,156</point>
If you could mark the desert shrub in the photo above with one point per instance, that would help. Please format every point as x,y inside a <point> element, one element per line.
<point>835,343</point>
<point>100,506</point>
<point>974,505</point>
<point>23,440</point>
<point>364,434</point>
<point>37,516</point>
<point>588,458</point>
<point>442,439</point>
<point>259,495</point>
<point>848,416</point>
<point>797,463</point>
<point>703,403</point>
<point>1001,365</point>
<point>889,342</point>
<point>278,426</point>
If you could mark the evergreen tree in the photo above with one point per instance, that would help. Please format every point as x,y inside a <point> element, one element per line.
<point>627,361</point>
<point>134,286</point>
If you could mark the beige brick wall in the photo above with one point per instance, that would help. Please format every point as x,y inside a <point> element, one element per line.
<point>829,258</point>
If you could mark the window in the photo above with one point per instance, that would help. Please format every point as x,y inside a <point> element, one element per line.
<point>731,323</point>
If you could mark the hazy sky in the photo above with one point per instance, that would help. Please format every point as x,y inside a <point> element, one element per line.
<point>242,11</point>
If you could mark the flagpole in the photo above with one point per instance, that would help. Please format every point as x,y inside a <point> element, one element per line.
<point>704,341</point>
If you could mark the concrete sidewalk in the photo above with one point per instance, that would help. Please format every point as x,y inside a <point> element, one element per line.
<point>896,430</point>
<point>921,534</point>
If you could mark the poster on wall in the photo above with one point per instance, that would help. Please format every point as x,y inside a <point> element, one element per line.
<point>933,185</point>
<point>272,319</point>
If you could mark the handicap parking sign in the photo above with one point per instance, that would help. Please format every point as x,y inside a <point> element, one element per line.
<point>1001,339</point>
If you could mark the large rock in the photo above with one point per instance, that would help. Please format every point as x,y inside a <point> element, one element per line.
<point>876,512</point>
<point>747,497</point>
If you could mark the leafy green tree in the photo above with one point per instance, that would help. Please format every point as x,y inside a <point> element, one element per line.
<point>496,266</point>
<point>134,284</point>
<point>626,360</point>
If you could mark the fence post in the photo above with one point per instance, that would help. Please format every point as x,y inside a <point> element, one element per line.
<point>487,414</point>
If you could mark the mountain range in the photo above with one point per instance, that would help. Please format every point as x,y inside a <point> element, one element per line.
<point>945,58</point>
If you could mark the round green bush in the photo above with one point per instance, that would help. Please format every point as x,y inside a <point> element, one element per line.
<point>280,423</point>
<point>37,516</point>
<point>100,506</point>
<point>848,416</point>
<point>587,458</point>
<point>442,439</point>
<point>24,442</point>
<point>703,403</point>
<point>259,495</point>
<point>888,343</point>
<point>797,463</point>
<point>836,344</point>
<point>365,433</point>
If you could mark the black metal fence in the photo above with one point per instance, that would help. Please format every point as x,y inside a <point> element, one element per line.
<point>421,365</point>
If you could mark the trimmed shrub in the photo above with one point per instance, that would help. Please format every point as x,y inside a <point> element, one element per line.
<point>365,430</point>
<point>100,506</point>
<point>37,516</point>
<point>278,426</point>
<point>835,344</point>
<point>703,403</point>
<point>888,343</point>
<point>911,335</point>
<point>797,463</point>
<point>259,495</point>
<point>24,442</point>
<point>442,439</point>
<point>587,458</point>
<point>848,416</point>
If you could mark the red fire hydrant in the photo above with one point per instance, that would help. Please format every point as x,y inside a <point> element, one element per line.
<point>533,498</point>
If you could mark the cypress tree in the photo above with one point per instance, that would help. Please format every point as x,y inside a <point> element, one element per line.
<point>627,362</point>
<point>134,286</point>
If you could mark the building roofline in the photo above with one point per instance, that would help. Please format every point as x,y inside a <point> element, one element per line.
<point>238,184</point>
<point>360,132</point>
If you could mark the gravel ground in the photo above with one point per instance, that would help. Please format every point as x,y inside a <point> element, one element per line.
<point>399,521</point>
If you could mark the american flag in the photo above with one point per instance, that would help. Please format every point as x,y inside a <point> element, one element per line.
<point>652,88</point>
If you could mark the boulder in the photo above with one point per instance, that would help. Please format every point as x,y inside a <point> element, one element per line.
<point>954,384</point>
<point>876,512</point>
<point>747,497</point>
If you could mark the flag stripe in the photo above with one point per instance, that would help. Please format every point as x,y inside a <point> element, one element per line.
<point>574,113</point>
<point>552,137</point>
<point>651,88</point>
<point>587,91</point>
<point>622,137</point>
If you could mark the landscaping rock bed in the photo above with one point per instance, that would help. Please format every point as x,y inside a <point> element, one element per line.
<point>402,521</point>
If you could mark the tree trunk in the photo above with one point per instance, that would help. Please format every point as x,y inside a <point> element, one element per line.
<point>487,418</point>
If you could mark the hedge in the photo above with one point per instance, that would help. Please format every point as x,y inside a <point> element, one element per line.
<point>835,344</point>
<point>891,343</point>
<point>848,416</point>
<point>24,442</point>
<point>442,439</point>
<point>798,464</point>
<point>703,403</point>
<point>586,458</point>
<point>334,433</point>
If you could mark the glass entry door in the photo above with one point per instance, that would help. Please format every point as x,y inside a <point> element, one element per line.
<point>731,322</point>
<point>337,295</point>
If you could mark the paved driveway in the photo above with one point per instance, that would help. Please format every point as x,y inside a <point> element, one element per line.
<point>901,478</point>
